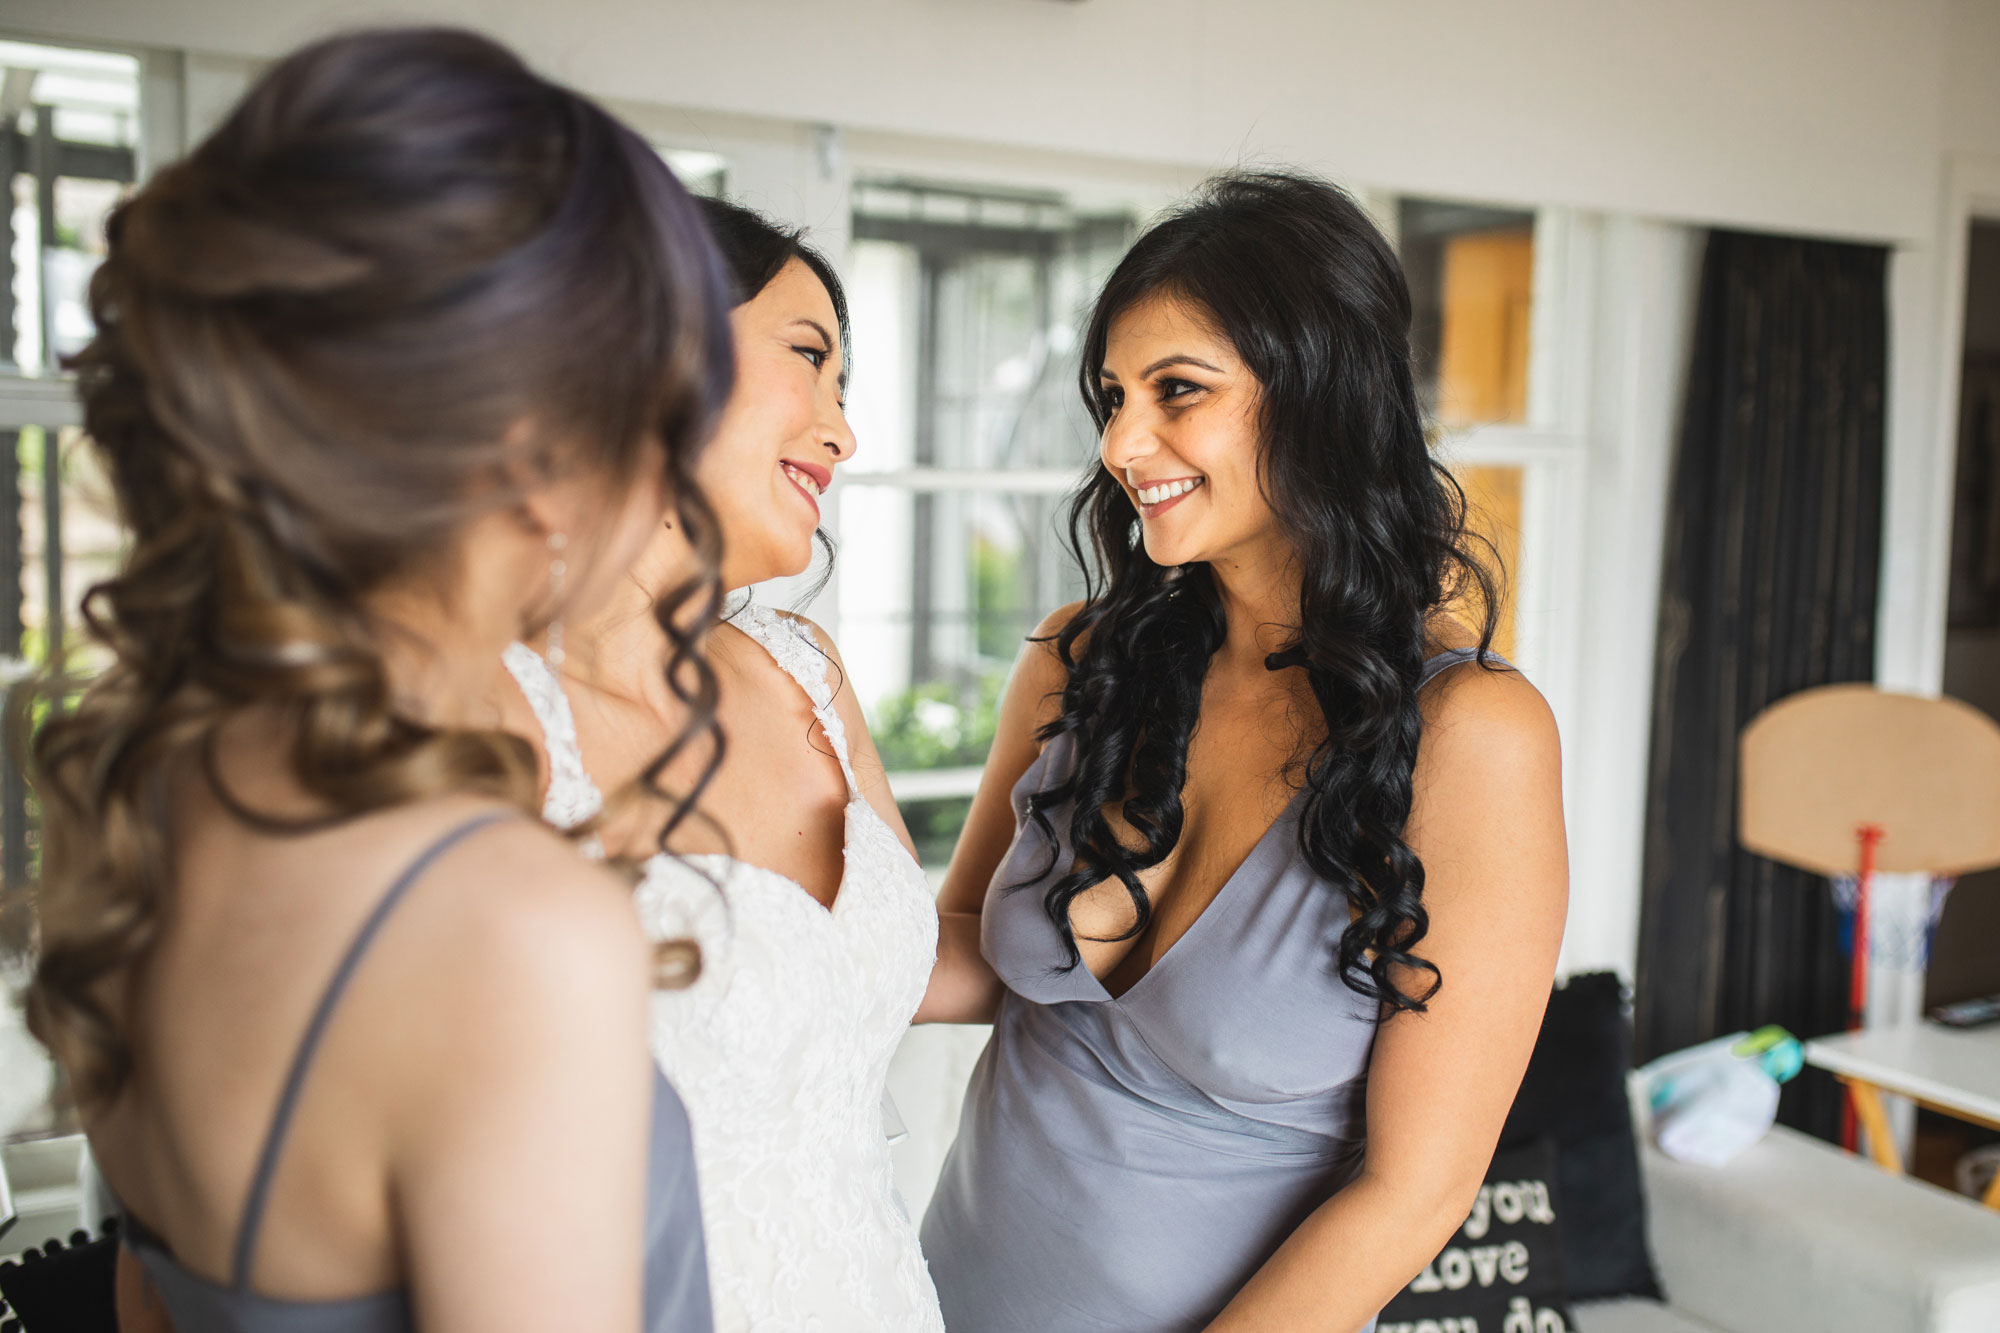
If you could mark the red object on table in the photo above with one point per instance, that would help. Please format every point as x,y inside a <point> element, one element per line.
<point>1857,986</point>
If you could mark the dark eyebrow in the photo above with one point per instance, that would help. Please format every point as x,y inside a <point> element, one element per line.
<point>1177,359</point>
<point>818,328</point>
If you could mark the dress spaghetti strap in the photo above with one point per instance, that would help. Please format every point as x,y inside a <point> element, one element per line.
<point>791,644</point>
<point>1439,663</point>
<point>281,1119</point>
<point>572,798</point>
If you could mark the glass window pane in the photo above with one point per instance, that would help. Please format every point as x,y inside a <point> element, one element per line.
<point>88,533</point>
<point>1471,272</point>
<point>966,309</point>
<point>882,280</point>
<point>940,587</point>
<point>700,171</point>
<point>966,318</point>
<point>1493,504</point>
<point>937,591</point>
<point>69,154</point>
<point>69,129</point>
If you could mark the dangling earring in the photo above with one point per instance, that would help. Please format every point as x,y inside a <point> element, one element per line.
<point>558,569</point>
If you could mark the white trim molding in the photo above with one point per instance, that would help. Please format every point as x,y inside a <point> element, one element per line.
<point>1922,460</point>
<point>38,400</point>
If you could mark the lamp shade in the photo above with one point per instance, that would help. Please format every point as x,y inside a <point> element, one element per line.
<point>1819,765</point>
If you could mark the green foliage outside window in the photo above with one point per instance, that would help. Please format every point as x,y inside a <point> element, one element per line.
<point>938,725</point>
<point>999,591</point>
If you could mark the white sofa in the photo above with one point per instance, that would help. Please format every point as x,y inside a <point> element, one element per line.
<point>1797,1235</point>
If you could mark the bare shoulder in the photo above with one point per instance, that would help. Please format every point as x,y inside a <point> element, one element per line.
<point>1490,759</point>
<point>1041,661</point>
<point>1056,621</point>
<point>1034,690</point>
<point>527,968</point>
<point>1478,707</point>
<point>529,914</point>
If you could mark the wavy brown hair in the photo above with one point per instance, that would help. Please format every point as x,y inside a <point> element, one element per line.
<point>404,270</point>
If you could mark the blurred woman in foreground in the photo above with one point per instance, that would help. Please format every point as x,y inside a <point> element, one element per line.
<point>405,362</point>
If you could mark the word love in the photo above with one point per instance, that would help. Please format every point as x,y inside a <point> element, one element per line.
<point>1456,1268</point>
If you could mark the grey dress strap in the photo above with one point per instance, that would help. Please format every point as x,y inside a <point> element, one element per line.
<point>1442,662</point>
<point>288,1099</point>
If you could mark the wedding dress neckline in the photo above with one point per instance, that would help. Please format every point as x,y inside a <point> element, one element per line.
<point>573,796</point>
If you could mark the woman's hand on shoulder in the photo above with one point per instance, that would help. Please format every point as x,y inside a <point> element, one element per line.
<point>527,1053</point>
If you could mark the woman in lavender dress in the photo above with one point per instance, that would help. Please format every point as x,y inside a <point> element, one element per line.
<point>1269,854</point>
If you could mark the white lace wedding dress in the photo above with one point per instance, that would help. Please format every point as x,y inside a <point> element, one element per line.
<point>781,1049</point>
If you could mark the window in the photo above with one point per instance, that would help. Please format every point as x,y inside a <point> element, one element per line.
<point>69,127</point>
<point>1471,271</point>
<point>967,306</point>
<point>701,172</point>
<point>1493,504</point>
<point>69,134</point>
<point>69,124</point>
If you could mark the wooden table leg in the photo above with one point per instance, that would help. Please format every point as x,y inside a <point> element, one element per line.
<point>1874,1118</point>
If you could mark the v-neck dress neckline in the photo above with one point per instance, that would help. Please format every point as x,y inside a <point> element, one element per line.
<point>1285,820</point>
<point>1130,1162</point>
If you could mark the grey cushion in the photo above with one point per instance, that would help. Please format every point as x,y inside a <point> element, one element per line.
<point>1635,1314</point>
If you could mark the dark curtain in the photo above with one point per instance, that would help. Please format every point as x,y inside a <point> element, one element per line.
<point>1773,539</point>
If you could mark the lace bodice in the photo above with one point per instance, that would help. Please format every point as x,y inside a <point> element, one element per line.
<point>781,1048</point>
<point>572,797</point>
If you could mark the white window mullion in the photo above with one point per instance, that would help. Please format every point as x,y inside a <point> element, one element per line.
<point>1039,481</point>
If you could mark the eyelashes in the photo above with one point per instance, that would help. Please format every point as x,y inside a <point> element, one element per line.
<point>1171,391</point>
<point>817,358</point>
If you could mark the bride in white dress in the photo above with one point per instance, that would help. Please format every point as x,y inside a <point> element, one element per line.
<point>817,926</point>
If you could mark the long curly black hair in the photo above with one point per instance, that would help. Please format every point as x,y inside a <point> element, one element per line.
<point>1309,292</point>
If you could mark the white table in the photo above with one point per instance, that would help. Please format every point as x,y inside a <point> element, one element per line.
<point>1949,1070</point>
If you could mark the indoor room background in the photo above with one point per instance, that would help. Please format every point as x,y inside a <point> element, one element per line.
<point>1549,173</point>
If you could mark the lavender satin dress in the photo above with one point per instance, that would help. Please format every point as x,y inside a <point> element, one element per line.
<point>1129,1163</point>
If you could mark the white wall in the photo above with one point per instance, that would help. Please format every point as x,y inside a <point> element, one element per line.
<point>1640,332</point>
<point>1819,115</point>
<point>1972,84</point>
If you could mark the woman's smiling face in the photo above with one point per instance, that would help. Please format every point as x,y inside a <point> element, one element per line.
<point>783,432</point>
<point>1183,434</point>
